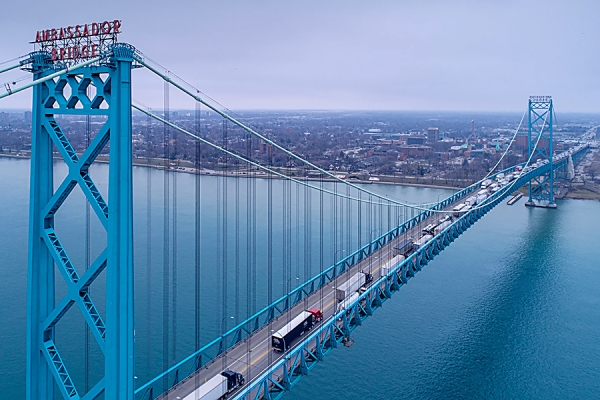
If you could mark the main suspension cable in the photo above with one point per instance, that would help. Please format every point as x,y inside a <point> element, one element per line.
<point>271,171</point>
<point>167,76</point>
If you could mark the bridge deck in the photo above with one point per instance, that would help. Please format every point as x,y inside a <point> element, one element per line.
<point>253,357</point>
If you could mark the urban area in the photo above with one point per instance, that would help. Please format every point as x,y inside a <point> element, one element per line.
<point>418,148</point>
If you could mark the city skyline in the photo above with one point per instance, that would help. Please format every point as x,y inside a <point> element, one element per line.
<point>480,57</point>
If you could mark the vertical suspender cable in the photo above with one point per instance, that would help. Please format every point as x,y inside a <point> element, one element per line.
<point>149,148</point>
<point>297,252</point>
<point>219,264</point>
<point>166,240</point>
<point>249,294</point>
<point>284,250</point>
<point>288,215</point>
<point>237,243</point>
<point>224,222</point>
<point>307,237</point>
<point>333,224</point>
<point>270,239</point>
<point>359,242</point>
<point>321,237</point>
<point>174,156</point>
<point>197,232</point>
<point>349,225</point>
<point>253,232</point>
<point>87,261</point>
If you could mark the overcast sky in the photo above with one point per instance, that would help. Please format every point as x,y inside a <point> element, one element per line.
<point>485,55</point>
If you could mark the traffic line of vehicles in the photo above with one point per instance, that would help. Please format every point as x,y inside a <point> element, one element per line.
<point>298,326</point>
<point>218,387</point>
<point>488,187</point>
<point>556,158</point>
<point>223,384</point>
<point>349,291</point>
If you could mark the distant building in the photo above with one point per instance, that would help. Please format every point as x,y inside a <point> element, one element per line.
<point>442,155</point>
<point>416,140</point>
<point>27,116</point>
<point>4,118</point>
<point>416,151</point>
<point>521,142</point>
<point>433,134</point>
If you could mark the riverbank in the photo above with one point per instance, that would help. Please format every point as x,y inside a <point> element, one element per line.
<point>383,180</point>
<point>574,192</point>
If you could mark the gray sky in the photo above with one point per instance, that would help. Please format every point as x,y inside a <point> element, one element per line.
<point>486,55</point>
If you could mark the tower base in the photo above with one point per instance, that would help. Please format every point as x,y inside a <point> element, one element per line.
<point>534,204</point>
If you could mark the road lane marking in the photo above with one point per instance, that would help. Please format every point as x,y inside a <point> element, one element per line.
<point>255,361</point>
<point>324,294</point>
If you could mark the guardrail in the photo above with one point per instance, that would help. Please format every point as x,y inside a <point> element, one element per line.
<point>237,334</point>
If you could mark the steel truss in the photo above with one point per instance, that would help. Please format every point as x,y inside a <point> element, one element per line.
<point>111,81</point>
<point>539,135</point>
<point>245,329</point>
<point>281,376</point>
<point>237,334</point>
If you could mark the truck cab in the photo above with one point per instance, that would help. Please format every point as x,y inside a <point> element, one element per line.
<point>234,379</point>
<point>317,314</point>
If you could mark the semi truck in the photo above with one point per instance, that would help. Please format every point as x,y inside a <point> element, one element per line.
<point>387,267</point>
<point>441,227</point>
<point>283,338</point>
<point>351,299</point>
<point>471,200</point>
<point>457,209</point>
<point>352,285</point>
<point>218,387</point>
<point>422,241</point>
<point>428,229</point>
<point>404,247</point>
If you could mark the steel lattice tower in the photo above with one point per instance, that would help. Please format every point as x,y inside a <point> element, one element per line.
<point>111,79</point>
<point>539,143</point>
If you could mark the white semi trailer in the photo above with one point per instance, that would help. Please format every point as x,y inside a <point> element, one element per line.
<point>217,387</point>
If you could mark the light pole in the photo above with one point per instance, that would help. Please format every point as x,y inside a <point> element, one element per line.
<point>288,286</point>
<point>372,253</point>
<point>437,207</point>
<point>223,340</point>
<point>289,283</point>
<point>223,323</point>
<point>335,275</point>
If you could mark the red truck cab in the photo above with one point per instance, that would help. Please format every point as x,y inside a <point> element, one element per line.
<point>317,314</point>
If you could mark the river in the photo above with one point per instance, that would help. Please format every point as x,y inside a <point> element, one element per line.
<point>510,310</point>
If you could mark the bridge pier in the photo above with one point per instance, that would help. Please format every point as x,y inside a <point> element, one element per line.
<point>534,204</point>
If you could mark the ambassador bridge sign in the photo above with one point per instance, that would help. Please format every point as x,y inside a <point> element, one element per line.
<point>78,42</point>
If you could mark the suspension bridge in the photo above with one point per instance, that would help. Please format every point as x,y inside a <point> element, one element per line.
<point>372,246</point>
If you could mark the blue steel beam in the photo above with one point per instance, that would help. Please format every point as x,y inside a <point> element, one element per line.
<point>540,122</point>
<point>45,78</point>
<point>236,334</point>
<point>246,328</point>
<point>45,366</point>
<point>281,376</point>
<point>243,330</point>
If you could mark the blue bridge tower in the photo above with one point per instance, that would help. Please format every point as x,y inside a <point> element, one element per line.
<point>109,79</point>
<point>539,143</point>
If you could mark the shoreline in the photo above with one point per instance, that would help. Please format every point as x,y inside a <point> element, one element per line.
<point>259,175</point>
<point>576,195</point>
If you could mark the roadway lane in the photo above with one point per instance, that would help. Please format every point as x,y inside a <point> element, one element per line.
<point>254,355</point>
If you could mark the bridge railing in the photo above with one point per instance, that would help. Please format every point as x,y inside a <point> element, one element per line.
<point>282,375</point>
<point>236,335</point>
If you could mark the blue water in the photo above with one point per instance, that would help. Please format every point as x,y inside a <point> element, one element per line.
<point>510,310</point>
